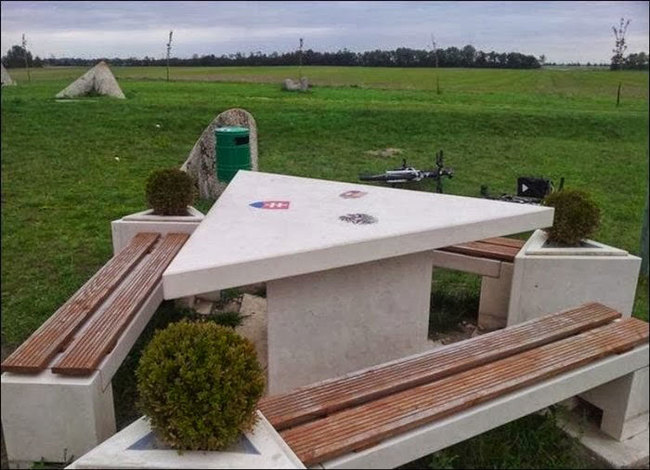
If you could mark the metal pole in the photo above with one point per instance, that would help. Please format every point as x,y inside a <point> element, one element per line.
<point>29,75</point>
<point>169,48</point>
<point>644,239</point>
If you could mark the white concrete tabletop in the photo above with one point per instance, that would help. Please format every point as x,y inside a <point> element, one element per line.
<point>269,226</point>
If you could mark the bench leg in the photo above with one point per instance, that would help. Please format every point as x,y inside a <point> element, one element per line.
<point>54,418</point>
<point>495,297</point>
<point>624,403</point>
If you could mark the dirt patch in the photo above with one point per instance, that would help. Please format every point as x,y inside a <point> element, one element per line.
<point>384,153</point>
<point>465,329</point>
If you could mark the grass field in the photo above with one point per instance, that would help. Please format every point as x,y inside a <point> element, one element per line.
<point>68,168</point>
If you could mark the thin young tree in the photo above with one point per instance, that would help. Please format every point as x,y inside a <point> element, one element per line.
<point>300,60</point>
<point>29,75</point>
<point>435,55</point>
<point>169,48</point>
<point>620,46</point>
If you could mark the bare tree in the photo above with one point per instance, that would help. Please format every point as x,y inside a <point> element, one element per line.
<point>620,45</point>
<point>434,46</point>
<point>169,48</point>
<point>300,60</point>
<point>29,75</point>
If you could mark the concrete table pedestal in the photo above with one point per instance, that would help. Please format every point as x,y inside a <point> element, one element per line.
<point>332,322</point>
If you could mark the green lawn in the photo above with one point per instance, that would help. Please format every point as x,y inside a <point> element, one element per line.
<point>69,168</point>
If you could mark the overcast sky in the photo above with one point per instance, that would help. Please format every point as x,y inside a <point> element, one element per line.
<point>563,31</point>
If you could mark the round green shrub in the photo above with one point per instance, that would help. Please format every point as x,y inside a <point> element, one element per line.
<point>576,216</point>
<point>199,383</point>
<point>170,191</point>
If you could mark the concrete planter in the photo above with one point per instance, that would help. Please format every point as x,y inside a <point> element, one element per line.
<point>136,446</point>
<point>125,228</point>
<point>548,279</point>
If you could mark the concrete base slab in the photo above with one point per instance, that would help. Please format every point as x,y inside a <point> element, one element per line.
<point>631,453</point>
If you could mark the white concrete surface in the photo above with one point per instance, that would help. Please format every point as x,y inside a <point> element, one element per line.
<point>237,244</point>
<point>445,432</point>
<point>124,229</point>
<point>545,283</point>
<point>332,322</point>
<point>135,447</point>
<point>55,417</point>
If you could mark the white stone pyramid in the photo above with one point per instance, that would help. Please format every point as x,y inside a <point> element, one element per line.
<point>268,226</point>
<point>6,78</point>
<point>99,79</point>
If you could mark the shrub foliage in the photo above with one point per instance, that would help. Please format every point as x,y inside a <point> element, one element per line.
<point>576,216</point>
<point>170,191</point>
<point>199,383</point>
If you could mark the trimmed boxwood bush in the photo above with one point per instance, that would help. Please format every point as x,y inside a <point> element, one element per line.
<point>170,191</point>
<point>199,383</point>
<point>576,216</point>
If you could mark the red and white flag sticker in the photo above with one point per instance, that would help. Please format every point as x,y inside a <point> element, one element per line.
<point>270,204</point>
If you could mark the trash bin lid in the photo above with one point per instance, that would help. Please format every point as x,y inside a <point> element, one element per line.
<point>232,130</point>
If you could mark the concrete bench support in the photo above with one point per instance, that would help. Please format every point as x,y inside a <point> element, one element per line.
<point>58,418</point>
<point>624,403</point>
<point>54,418</point>
<point>496,281</point>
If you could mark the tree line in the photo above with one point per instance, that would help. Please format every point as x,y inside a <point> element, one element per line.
<point>468,56</point>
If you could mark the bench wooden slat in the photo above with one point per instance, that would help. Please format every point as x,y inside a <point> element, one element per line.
<point>365,425</point>
<point>482,249</point>
<point>505,241</point>
<point>322,398</point>
<point>88,349</point>
<point>54,335</point>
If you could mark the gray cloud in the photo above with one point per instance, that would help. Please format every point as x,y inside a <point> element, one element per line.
<point>563,31</point>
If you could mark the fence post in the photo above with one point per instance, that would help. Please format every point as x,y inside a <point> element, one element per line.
<point>644,239</point>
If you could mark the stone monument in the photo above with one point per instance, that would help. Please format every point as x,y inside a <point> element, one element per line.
<point>201,163</point>
<point>290,85</point>
<point>6,78</point>
<point>99,80</point>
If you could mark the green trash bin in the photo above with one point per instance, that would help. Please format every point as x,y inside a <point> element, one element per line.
<point>232,151</point>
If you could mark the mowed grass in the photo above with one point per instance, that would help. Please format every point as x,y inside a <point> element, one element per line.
<point>69,168</point>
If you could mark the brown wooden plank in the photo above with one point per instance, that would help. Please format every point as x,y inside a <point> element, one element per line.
<point>55,334</point>
<point>355,428</point>
<point>90,347</point>
<point>317,400</point>
<point>505,241</point>
<point>485,250</point>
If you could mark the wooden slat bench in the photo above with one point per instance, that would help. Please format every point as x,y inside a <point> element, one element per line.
<point>493,259</point>
<point>56,386</point>
<point>394,413</point>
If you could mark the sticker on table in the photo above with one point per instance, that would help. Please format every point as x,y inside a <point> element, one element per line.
<point>270,204</point>
<point>359,219</point>
<point>352,194</point>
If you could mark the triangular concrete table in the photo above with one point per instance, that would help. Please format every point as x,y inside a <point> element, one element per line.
<point>347,266</point>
